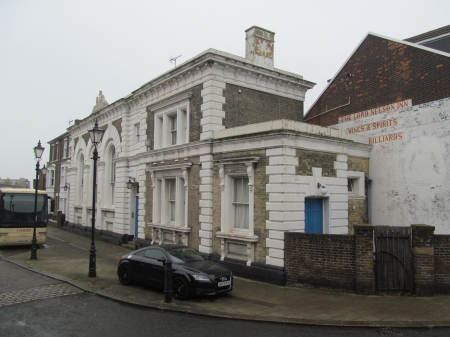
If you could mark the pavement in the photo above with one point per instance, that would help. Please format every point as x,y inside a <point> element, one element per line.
<point>66,258</point>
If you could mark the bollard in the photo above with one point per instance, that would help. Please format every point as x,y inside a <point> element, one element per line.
<point>168,281</point>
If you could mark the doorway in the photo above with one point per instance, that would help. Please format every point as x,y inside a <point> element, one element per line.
<point>314,216</point>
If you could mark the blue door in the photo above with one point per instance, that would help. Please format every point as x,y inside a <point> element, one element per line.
<point>136,221</point>
<point>313,216</point>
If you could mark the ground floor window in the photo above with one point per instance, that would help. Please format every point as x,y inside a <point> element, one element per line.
<point>170,194</point>
<point>240,202</point>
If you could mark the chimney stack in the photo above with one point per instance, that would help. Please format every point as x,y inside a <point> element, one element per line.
<point>259,46</point>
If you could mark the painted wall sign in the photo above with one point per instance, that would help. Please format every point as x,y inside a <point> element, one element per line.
<point>386,138</point>
<point>373,126</point>
<point>376,111</point>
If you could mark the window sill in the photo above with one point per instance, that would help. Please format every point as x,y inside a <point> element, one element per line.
<point>170,227</point>
<point>169,234</point>
<point>237,237</point>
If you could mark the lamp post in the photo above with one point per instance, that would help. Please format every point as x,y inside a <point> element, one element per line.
<point>38,151</point>
<point>96,135</point>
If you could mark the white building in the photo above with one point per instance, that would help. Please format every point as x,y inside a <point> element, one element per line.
<point>219,160</point>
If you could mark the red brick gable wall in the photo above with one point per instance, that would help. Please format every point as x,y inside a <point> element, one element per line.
<point>381,72</point>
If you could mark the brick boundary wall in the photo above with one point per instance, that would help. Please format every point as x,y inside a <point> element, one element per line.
<point>442,263</point>
<point>346,262</point>
<point>423,259</point>
<point>320,260</point>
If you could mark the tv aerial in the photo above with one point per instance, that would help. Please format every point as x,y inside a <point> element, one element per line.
<point>174,60</point>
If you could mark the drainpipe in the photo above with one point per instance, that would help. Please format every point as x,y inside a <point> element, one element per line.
<point>367,183</point>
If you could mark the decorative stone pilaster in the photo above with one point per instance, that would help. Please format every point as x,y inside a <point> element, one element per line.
<point>212,108</point>
<point>141,178</point>
<point>284,208</point>
<point>423,259</point>
<point>206,204</point>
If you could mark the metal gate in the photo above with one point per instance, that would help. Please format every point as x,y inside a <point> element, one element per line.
<point>393,258</point>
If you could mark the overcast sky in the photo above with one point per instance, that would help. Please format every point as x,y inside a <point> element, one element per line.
<point>56,55</point>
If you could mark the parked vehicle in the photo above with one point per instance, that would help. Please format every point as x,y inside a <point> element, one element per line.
<point>192,274</point>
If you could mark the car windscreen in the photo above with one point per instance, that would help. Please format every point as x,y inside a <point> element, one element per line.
<point>183,254</point>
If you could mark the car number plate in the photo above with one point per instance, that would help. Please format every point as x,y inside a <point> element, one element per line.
<point>224,283</point>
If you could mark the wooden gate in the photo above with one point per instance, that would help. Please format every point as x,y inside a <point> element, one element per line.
<point>393,258</point>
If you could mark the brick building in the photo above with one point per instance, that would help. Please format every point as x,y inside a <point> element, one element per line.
<point>397,93</point>
<point>56,183</point>
<point>437,39</point>
<point>217,158</point>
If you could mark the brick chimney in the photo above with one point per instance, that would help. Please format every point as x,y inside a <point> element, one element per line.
<point>259,46</point>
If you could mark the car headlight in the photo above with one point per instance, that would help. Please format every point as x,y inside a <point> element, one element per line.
<point>201,278</point>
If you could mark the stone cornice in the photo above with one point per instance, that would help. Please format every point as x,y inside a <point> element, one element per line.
<point>211,64</point>
<point>213,58</point>
<point>169,167</point>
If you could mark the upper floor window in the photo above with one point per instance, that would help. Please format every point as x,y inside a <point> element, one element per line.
<point>51,153</point>
<point>137,133</point>
<point>171,121</point>
<point>173,129</point>
<point>66,147</point>
<point>52,177</point>
<point>56,154</point>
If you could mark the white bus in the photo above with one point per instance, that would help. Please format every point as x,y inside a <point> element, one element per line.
<point>17,216</point>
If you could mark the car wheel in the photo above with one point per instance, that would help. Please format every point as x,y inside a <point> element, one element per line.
<point>124,273</point>
<point>180,288</point>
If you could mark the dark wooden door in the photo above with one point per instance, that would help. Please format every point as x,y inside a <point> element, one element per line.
<point>393,258</point>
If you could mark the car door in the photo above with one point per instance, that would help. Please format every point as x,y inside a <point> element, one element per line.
<point>138,263</point>
<point>152,269</point>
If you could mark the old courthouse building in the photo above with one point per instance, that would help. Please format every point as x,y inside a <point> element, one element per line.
<point>397,93</point>
<point>217,158</point>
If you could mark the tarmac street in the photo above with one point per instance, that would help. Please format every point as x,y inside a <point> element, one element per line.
<point>66,258</point>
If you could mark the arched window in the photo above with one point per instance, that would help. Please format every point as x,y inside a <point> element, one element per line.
<point>80,179</point>
<point>112,174</point>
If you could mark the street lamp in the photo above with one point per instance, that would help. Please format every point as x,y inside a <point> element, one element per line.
<point>129,184</point>
<point>96,135</point>
<point>38,151</point>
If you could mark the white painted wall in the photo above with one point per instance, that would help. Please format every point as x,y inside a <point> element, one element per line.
<point>411,176</point>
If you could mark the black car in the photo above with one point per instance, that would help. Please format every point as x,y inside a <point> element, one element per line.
<point>192,274</point>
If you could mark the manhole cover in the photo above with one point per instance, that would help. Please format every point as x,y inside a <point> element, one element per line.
<point>389,332</point>
<point>84,294</point>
